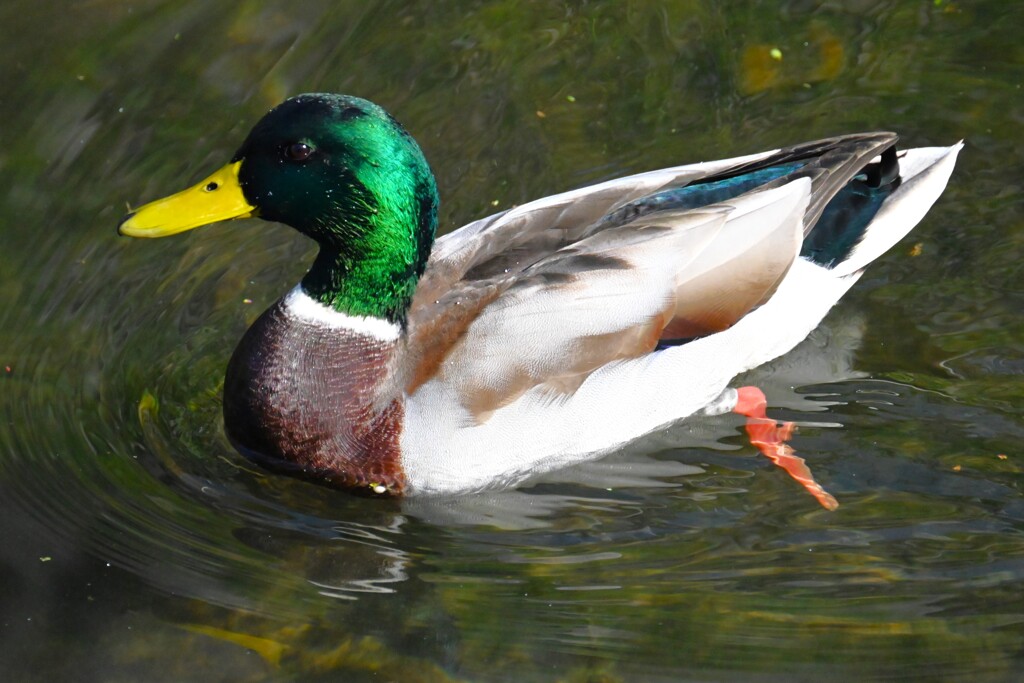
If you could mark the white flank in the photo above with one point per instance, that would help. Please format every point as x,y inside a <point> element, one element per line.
<point>445,450</point>
<point>301,305</point>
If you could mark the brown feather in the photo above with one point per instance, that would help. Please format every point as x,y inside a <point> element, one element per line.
<point>559,242</point>
<point>303,398</point>
<point>589,353</point>
<point>430,341</point>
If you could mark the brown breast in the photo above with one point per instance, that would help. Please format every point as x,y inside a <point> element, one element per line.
<point>306,399</point>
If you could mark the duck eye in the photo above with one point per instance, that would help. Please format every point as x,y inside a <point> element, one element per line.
<point>297,151</point>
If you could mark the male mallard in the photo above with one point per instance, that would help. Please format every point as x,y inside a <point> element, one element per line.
<point>545,335</point>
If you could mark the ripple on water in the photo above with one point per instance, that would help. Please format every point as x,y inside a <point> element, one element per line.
<point>687,556</point>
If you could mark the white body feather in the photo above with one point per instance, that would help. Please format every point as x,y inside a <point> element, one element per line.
<point>445,448</point>
<point>299,304</point>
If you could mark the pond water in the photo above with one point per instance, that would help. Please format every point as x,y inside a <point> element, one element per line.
<point>137,545</point>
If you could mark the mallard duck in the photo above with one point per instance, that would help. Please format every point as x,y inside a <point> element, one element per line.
<point>545,335</point>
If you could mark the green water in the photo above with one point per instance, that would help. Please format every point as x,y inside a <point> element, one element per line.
<point>136,545</point>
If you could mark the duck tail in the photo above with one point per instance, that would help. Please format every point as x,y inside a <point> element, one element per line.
<point>878,207</point>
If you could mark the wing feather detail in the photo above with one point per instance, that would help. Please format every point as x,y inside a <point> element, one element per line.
<point>612,296</point>
<point>547,292</point>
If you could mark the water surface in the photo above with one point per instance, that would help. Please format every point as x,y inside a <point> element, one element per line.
<point>138,546</point>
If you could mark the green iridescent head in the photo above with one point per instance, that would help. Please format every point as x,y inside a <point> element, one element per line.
<point>339,169</point>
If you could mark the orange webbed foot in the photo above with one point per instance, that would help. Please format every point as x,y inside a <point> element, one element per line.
<point>770,438</point>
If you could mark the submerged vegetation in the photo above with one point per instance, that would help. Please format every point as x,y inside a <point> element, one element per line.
<point>169,557</point>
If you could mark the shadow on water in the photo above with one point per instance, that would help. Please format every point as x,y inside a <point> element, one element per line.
<point>139,546</point>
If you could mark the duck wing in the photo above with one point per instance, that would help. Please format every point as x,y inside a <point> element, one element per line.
<point>512,240</point>
<point>546,293</point>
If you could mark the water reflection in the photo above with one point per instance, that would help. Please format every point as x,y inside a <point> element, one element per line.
<point>138,545</point>
<point>230,534</point>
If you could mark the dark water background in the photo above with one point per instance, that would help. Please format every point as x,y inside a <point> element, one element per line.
<point>136,545</point>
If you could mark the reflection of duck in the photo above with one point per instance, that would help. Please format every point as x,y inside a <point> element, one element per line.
<point>545,335</point>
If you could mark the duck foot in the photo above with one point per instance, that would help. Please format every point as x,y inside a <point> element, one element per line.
<point>770,438</point>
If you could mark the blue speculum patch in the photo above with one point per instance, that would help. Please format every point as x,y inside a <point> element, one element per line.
<point>713,192</point>
<point>837,231</point>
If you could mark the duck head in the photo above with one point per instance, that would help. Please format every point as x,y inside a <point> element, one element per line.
<point>338,169</point>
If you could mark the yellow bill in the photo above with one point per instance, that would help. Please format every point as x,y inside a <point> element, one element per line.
<point>216,198</point>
